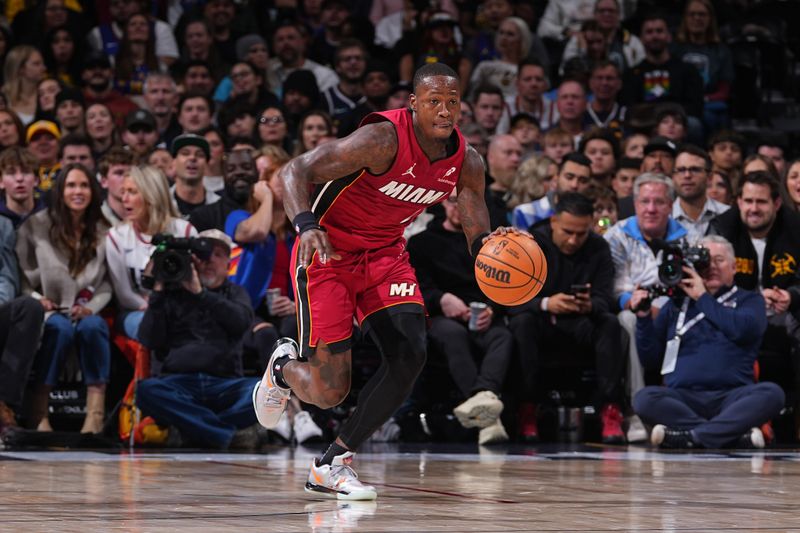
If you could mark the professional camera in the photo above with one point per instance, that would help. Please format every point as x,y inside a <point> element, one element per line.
<point>172,258</point>
<point>674,256</point>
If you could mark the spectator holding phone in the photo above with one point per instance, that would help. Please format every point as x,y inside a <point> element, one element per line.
<point>573,309</point>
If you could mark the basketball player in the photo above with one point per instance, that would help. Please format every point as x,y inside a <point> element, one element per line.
<point>350,260</point>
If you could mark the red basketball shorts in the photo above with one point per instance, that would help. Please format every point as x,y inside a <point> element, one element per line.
<point>330,296</point>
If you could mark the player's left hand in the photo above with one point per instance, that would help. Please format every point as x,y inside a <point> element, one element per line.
<point>692,284</point>
<point>505,230</point>
<point>315,240</point>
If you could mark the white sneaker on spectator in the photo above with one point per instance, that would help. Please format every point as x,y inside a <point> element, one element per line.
<point>269,398</point>
<point>493,434</point>
<point>753,438</point>
<point>304,428</point>
<point>283,428</point>
<point>636,430</point>
<point>480,411</point>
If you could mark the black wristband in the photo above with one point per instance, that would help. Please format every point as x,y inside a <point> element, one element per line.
<point>477,244</point>
<point>305,221</point>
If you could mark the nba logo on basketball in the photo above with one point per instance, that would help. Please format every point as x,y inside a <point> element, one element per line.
<point>499,247</point>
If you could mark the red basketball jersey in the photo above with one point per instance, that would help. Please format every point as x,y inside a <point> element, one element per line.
<point>366,212</point>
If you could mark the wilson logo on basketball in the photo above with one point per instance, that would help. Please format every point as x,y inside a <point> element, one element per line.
<point>503,276</point>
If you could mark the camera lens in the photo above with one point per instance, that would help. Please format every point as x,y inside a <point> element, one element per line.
<point>172,265</point>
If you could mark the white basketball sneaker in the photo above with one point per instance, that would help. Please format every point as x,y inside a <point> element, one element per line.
<point>339,479</point>
<point>269,398</point>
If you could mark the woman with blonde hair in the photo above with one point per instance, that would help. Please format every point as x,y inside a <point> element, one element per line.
<point>23,69</point>
<point>149,211</point>
<point>61,253</point>
<point>535,178</point>
<point>513,43</point>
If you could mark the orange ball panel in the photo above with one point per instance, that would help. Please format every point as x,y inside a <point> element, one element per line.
<point>511,269</point>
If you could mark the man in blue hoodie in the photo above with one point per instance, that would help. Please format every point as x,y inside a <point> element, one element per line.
<point>706,344</point>
<point>635,242</point>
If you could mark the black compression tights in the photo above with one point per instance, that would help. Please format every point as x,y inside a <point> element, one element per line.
<point>401,340</point>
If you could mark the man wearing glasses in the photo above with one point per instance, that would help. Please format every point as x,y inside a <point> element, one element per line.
<point>694,210</point>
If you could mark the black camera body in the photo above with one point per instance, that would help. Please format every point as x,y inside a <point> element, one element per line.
<point>172,258</point>
<point>671,259</point>
<point>674,256</point>
<point>656,291</point>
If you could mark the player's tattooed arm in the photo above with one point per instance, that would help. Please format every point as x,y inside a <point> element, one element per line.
<point>372,147</point>
<point>471,202</point>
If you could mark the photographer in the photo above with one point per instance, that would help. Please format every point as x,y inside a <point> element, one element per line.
<point>196,329</point>
<point>706,345</point>
<point>575,308</point>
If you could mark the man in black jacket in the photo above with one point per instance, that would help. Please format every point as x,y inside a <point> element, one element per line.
<point>478,348</point>
<point>196,332</point>
<point>574,309</point>
<point>766,239</point>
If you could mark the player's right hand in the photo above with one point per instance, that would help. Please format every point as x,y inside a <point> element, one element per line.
<point>315,240</point>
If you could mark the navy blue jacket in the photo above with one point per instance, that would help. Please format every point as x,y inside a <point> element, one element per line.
<point>719,352</point>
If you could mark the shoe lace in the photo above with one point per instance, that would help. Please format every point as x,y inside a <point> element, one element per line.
<point>341,474</point>
<point>274,397</point>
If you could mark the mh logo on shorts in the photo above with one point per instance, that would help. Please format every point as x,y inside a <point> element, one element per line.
<point>402,289</point>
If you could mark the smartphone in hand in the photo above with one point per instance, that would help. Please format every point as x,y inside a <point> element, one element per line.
<point>582,289</point>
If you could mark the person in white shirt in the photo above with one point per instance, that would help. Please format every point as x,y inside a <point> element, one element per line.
<point>148,211</point>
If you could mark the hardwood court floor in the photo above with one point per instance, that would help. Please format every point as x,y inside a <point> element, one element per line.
<point>421,488</point>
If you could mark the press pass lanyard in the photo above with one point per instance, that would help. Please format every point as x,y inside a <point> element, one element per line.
<point>674,344</point>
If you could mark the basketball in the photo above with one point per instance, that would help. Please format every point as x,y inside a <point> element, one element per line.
<point>510,269</point>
